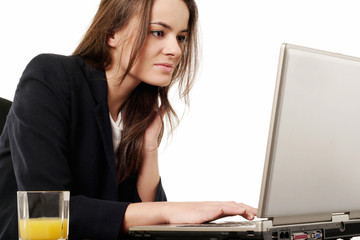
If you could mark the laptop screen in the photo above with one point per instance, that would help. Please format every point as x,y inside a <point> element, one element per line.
<point>313,157</point>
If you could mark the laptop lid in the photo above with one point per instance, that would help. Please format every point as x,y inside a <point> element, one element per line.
<point>313,155</point>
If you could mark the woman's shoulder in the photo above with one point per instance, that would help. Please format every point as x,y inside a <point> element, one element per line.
<point>57,73</point>
<point>54,61</point>
<point>55,69</point>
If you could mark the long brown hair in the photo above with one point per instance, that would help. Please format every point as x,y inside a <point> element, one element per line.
<point>140,109</point>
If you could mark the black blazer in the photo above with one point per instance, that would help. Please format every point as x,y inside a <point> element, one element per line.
<point>58,137</point>
<point>4,110</point>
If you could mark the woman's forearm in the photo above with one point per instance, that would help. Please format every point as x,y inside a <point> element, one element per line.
<point>148,178</point>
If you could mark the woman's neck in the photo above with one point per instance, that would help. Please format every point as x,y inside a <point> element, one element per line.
<point>118,92</point>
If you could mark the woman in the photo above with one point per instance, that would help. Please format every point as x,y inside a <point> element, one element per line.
<point>91,123</point>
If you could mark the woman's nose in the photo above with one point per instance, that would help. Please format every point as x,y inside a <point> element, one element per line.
<point>172,47</point>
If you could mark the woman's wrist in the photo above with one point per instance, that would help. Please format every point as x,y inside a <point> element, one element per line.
<point>148,213</point>
<point>150,148</point>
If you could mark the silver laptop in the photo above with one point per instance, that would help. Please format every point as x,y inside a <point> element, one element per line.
<point>311,179</point>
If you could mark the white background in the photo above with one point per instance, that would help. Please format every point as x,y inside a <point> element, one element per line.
<point>217,152</point>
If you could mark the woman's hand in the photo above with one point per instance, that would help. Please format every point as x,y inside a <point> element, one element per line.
<point>199,212</point>
<point>183,212</point>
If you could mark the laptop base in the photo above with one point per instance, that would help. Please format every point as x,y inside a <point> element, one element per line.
<point>321,231</point>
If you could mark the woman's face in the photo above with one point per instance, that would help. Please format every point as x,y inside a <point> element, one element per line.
<point>163,46</point>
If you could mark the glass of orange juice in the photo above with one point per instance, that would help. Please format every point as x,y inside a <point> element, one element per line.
<point>43,215</point>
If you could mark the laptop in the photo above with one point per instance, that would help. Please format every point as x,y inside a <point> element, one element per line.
<point>311,172</point>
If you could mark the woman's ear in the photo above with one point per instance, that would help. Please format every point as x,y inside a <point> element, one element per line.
<point>113,40</point>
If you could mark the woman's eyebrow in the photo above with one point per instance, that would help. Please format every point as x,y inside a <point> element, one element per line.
<point>166,26</point>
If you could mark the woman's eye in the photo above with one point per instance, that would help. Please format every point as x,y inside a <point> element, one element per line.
<point>157,33</point>
<point>181,39</point>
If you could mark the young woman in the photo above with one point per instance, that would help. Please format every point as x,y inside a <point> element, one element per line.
<point>91,123</point>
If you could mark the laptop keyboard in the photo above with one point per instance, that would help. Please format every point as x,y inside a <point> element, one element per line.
<point>222,224</point>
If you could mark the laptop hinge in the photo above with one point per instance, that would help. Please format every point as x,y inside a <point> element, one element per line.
<point>355,215</point>
<point>301,219</point>
<point>340,217</point>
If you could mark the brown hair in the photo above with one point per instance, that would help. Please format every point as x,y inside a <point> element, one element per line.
<point>140,109</point>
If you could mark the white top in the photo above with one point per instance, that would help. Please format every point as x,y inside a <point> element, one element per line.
<point>116,129</point>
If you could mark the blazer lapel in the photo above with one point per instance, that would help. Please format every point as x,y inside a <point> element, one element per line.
<point>98,85</point>
<point>102,116</point>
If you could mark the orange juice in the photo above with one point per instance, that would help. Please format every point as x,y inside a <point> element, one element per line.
<point>43,229</point>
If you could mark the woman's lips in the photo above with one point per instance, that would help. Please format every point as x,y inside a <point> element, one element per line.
<point>166,67</point>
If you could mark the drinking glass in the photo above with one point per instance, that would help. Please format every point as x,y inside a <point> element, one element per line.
<point>43,215</point>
